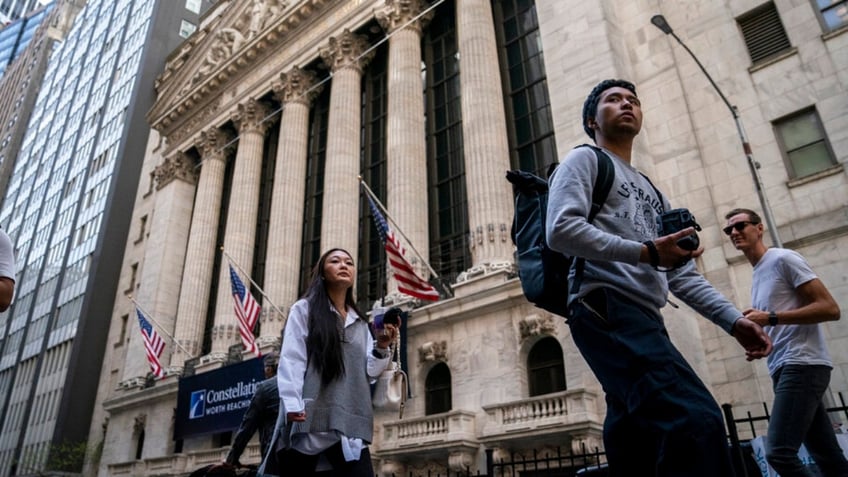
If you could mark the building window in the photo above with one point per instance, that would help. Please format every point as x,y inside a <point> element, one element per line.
<point>193,6</point>
<point>528,107</point>
<point>834,13</point>
<point>764,34</point>
<point>142,225</point>
<point>804,143</point>
<point>315,160</point>
<point>133,277</point>
<point>187,28</point>
<point>545,368</point>
<point>437,390</point>
<point>124,320</point>
<point>448,202</point>
<point>371,272</point>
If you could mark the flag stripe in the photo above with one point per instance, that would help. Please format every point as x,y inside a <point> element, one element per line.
<point>409,282</point>
<point>247,312</point>
<point>153,345</point>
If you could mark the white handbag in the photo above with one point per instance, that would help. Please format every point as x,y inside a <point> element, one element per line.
<point>392,386</point>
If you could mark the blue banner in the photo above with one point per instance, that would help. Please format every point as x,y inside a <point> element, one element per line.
<point>215,401</point>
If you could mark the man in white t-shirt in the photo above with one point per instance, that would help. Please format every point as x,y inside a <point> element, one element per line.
<point>789,301</point>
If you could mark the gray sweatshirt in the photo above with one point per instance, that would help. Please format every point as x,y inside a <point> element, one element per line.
<point>612,243</point>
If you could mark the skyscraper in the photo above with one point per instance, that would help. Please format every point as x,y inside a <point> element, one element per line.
<point>67,209</point>
<point>11,10</point>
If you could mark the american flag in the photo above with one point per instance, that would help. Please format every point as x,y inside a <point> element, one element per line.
<point>153,345</point>
<point>408,282</point>
<point>247,311</point>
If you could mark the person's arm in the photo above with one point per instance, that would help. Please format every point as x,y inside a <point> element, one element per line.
<point>293,359</point>
<point>379,353</point>
<point>7,291</point>
<point>693,289</point>
<point>567,228</point>
<point>249,424</point>
<point>819,306</point>
<point>7,272</point>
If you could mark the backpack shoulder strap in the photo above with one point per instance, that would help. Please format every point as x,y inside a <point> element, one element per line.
<point>659,194</point>
<point>600,191</point>
<point>603,182</point>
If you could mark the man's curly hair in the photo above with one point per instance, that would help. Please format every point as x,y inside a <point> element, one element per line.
<point>590,106</point>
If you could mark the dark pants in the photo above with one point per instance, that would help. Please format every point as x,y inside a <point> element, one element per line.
<point>798,415</point>
<point>295,464</point>
<point>661,419</point>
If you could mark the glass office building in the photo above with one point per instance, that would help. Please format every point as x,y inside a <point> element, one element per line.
<point>67,210</point>
<point>11,10</point>
<point>15,37</point>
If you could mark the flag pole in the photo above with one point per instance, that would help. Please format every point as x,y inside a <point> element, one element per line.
<point>161,328</point>
<point>241,270</point>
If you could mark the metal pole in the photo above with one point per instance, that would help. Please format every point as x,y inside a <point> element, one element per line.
<point>660,22</point>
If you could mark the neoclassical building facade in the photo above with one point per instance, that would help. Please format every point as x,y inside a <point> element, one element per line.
<point>268,116</point>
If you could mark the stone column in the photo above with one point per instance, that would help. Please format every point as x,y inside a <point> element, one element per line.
<point>406,146</point>
<point>340,213</point>
<point>295,90</point>
<point>240,234</point>
<point>484,135</point>
<point>200,252</point>
<point>164,254</point>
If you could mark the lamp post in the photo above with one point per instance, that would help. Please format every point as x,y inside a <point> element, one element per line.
<point>659,22</point>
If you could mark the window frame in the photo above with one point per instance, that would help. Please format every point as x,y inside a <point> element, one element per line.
<point>444,391</point>
<point>784,150</point>
<point>759,11</point>
<point>533,387</point>
<point>823,21</point>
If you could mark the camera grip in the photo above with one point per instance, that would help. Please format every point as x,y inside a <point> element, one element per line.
<point>690,242</point>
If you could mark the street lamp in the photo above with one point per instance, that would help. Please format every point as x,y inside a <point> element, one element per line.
<point>659,22</point>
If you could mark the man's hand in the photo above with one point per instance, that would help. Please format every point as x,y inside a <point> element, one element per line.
<point>387,336</point>
<point>670,254</point>
<point>757,316</point>
<point>296,416</point>
<point>752,337</point>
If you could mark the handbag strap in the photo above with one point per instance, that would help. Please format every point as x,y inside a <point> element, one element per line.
<point>398,370</point>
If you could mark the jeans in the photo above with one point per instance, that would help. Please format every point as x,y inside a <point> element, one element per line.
<point>294,463</point>
<point>661,420</point>
<point>799,416</point>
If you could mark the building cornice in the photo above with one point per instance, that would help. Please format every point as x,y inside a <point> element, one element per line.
<point>162,390</point>
<point>213,57</point>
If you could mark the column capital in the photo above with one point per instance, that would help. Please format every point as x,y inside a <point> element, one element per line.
<point>251,116</point>
<point>213,144</point>
<point>178,166</point>
<point>344,51</point>
<point>297,86</point>
<point>398,12</point>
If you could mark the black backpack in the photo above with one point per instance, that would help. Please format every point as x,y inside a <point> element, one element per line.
<point>542,271</point>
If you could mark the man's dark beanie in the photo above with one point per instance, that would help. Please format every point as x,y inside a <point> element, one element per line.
<point>590,106</point>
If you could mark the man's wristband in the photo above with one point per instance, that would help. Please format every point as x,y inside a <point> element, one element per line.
<point>772,317</point>
<point>653,254</point>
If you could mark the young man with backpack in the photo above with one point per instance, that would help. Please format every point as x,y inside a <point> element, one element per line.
<point>661,419</point>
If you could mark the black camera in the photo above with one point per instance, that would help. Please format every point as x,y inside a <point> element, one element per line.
<point>675,221</point>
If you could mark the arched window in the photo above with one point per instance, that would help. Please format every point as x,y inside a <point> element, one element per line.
<point>437,390</point>
<point>545,369</point>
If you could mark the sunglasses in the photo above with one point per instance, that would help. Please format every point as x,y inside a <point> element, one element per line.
<point>739,226</point>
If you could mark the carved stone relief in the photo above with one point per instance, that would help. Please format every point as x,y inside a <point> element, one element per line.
<point>179,166</point>
<point>433,351</point>
<point>535,325</point>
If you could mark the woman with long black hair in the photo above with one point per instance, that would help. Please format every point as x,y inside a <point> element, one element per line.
<point>327,362</point>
